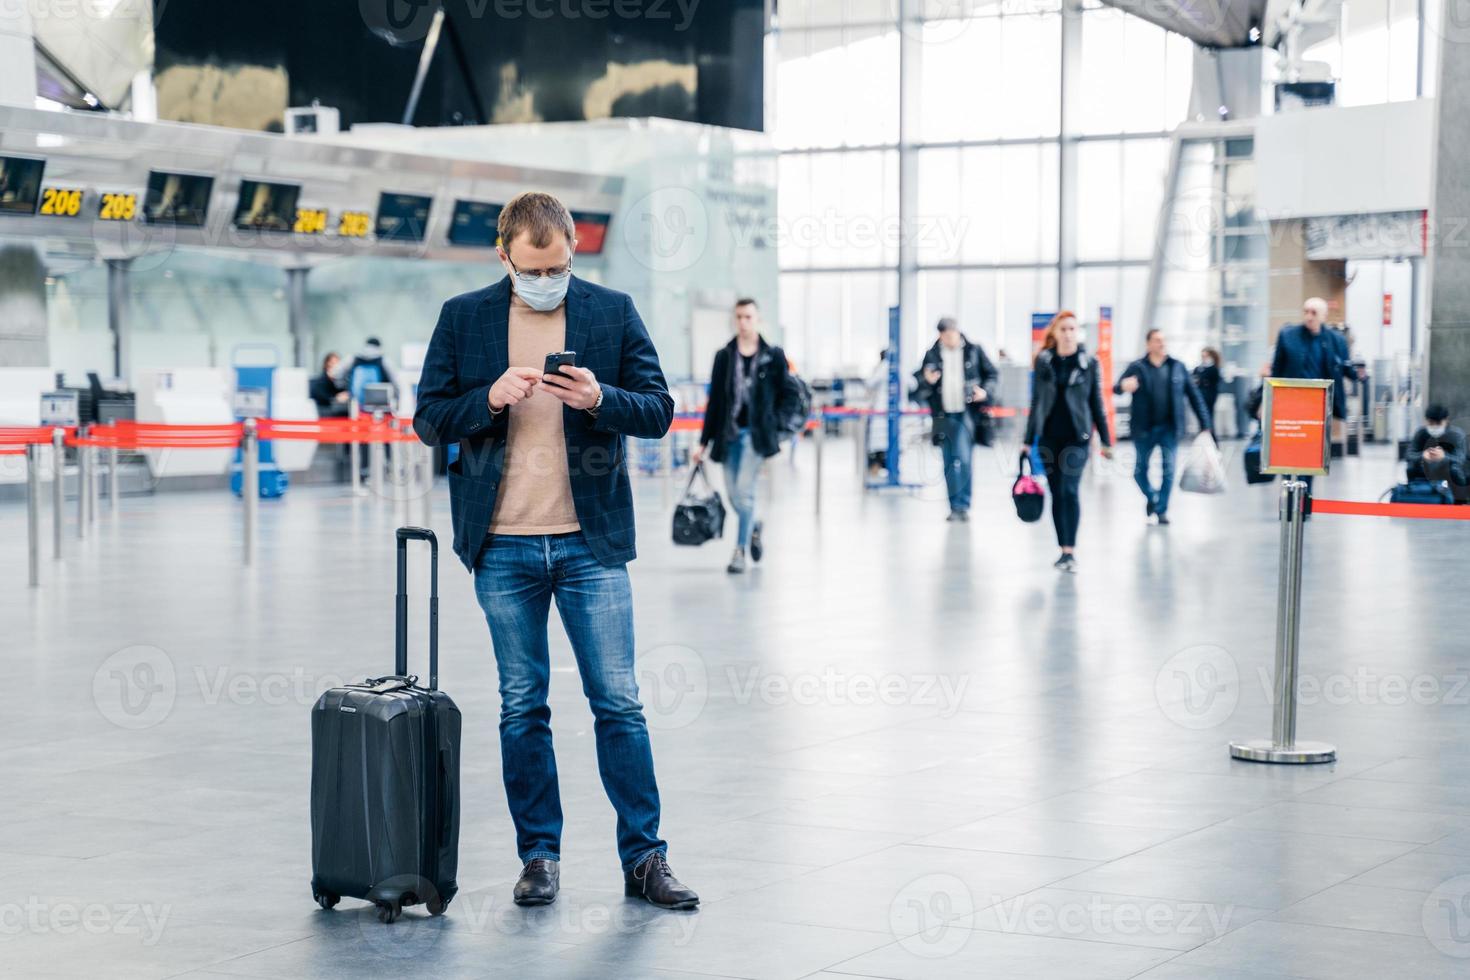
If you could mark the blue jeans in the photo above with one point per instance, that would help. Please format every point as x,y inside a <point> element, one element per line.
<point>1166,441</point>
<point>957,449</point>
<point>742,466</point>
<point>515,580</point>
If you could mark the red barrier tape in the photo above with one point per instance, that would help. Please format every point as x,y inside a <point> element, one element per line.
<point>1357,508</point>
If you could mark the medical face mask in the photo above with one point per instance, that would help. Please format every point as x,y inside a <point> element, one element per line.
<point>543,294</point>
<point>1436,430</point>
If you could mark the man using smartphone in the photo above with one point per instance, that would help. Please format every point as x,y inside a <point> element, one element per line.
<point>543,511</point>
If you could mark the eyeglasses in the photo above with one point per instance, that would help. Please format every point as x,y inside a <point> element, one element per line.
<point>529,276</point>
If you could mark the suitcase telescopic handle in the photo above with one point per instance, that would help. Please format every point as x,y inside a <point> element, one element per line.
<point>400,647</point>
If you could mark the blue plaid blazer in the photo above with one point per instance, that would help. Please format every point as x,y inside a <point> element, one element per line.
<point>469,351</point>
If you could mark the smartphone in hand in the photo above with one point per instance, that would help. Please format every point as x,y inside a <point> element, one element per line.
<point>555,361</point>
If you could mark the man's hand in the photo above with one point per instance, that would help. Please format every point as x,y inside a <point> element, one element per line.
<point>576,387</point>
<point>978,394</point>
<point>1434,454</point>
<point>931,375</point>
<point>1129,385</point>
<point>513,387</point>
<point>696,455</point>
<point>1107,452</point>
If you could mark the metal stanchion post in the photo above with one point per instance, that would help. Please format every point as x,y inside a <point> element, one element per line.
<point>354,464</point>
<point>426,483</point>
<point>112,455</point>
<point>250,485</point>
<point>84,473</point>
<point>58,488</point>
<point>93,490</point>
<point>375,461</point>
<point>33,511</point>
<point>818,443</point>
<point>1283,746</point>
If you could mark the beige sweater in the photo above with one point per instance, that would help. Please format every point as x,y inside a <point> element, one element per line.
<point>536,489</point>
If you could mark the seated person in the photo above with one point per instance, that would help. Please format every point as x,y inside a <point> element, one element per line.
<point>330,397</point>
<point>1437,452</point>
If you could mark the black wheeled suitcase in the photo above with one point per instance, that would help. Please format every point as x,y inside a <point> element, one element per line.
<point>385,777</point>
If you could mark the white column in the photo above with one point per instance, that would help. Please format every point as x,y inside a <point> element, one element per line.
<point>17,56</point>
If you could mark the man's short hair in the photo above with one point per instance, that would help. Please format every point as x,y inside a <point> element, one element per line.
<point>947,323</point>
<point>539,215</point>
<point>1436,413</point>
<point>746,301</point>
<point>1150,335</point>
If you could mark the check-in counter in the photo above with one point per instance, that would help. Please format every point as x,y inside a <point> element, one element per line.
<point>185,396</point>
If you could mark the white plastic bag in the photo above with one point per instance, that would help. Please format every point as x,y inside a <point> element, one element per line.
<point>1204,470</point>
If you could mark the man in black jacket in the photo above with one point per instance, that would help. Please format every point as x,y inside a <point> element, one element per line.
<point>1437,452</point>
<point>1160,386</point>
<point>955,381</point>
<point>749,395</point>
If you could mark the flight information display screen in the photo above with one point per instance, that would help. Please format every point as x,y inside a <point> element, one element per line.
<point>177,199</point>
<point>20,185</point>
<point>474,224</point>
<point>591,231</point>
<point>402,217</point>
<point>267,207</point>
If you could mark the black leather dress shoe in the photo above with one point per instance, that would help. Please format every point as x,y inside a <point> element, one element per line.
<point>655,883</point>
<point>538,884</point>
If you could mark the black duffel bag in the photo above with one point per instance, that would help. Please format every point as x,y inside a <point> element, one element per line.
<point>699,517</point>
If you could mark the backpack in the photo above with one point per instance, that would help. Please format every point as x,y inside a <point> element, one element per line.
<point>363,375</point>
<point>797,394</point>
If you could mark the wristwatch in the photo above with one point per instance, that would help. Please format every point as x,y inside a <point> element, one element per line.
<point>597,405</point>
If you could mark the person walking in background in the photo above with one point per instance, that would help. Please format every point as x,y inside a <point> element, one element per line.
<point>543,512</point>
<point>330,397</point>
<point>1066,406</point>
<point>1309,351</point>
<point>1160,386</point>
<point>1208,377</point>
<point>748,397</point>
<point>955,382</point>
<point>876,424</point>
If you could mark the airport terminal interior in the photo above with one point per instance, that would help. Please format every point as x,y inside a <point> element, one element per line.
<point>1005,514</point>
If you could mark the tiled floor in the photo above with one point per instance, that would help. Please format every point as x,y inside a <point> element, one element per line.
<point>899,748</point>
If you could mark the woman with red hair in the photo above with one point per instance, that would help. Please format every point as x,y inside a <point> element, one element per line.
<point>1066,405</point>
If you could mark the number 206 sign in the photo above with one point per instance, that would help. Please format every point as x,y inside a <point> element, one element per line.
<point>1296,417</point>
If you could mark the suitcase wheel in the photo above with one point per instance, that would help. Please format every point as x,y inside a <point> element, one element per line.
<point>326,900</point>
<point>436,906</point>
<point>389,911</point>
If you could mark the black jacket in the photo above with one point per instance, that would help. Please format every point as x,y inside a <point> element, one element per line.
<point>1453,444</point>
<point>978,371</point>
<point>769,395</point>
<point>324,390</point>
<point>1084,398</point>
<point>1293,358</point>
<point>469,351</point>
<point>1182,389</point>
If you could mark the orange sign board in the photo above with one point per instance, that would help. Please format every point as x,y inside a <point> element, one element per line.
<point>1295,427</point>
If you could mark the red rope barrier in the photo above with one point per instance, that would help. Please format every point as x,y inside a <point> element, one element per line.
<point>1358,508</point>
